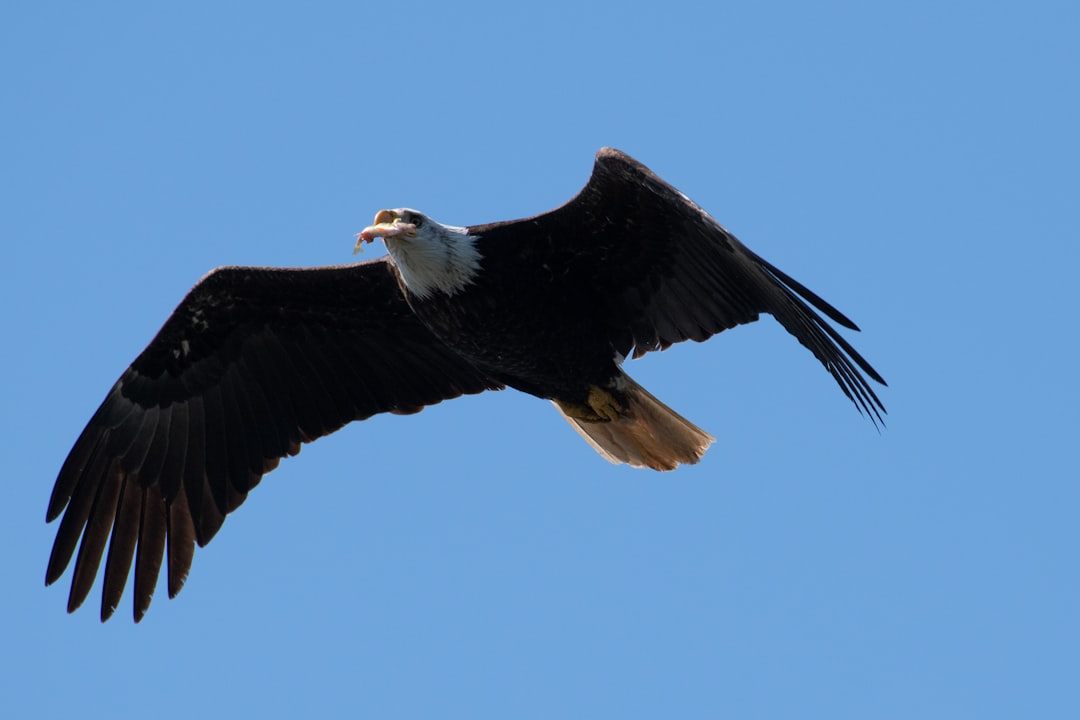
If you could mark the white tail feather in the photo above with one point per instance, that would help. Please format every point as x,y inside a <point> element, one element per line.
<point>649,434</point>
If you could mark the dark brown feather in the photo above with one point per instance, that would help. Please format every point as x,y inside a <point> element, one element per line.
<point>180,535</point>
<point>125,534</point>
<point>150,549</point>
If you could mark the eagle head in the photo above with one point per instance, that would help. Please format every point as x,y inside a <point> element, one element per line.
<point>430,256</point>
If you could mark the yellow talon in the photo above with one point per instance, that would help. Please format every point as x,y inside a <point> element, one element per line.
<point>600,406</point>
<point>603,404</point>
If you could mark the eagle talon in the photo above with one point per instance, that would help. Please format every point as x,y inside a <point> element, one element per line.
<point>603,404</point>
<point>600,406</point>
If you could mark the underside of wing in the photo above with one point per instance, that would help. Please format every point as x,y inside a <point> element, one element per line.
<point>253,363</point>
<point>656,269</point>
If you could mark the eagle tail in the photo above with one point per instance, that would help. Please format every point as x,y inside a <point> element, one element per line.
<point>647,433</point>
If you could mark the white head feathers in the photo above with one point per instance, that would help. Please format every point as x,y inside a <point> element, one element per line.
<point>432,257</point>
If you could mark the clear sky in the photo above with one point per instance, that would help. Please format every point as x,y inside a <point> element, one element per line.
<point>914,163</point>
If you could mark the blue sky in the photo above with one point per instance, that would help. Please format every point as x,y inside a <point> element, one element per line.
<point>915,164</point>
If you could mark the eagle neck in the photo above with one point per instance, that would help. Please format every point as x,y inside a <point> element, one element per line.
<point>446,261</point>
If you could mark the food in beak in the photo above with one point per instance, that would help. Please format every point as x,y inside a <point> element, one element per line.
<point>387,225</point>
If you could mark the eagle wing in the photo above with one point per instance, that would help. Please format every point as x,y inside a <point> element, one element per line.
<point>660,270</point>
<point>252,363</point>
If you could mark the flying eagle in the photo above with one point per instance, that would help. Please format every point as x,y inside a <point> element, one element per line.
<point>257,361</point>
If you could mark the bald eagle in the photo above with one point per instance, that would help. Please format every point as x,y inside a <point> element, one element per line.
<point>255,362</point>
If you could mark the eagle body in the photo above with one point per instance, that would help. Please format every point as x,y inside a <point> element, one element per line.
<point>558,356</point>
<point>254,362</point>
